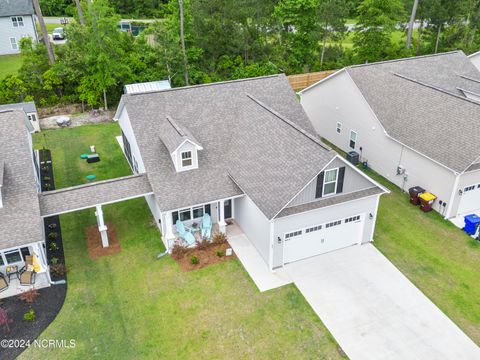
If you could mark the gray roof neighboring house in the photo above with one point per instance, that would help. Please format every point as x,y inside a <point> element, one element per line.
<point>16,7</point>
<point>28,107</point>
<point>255,135</point>
<point>20,221</point>
<point>2,170</point>
<point>420,104</point>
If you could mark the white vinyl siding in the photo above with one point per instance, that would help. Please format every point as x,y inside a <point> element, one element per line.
<point>8,30</point>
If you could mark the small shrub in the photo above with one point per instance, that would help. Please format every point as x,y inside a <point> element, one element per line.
<point>45,168</point>
<point>52,235</point>
<point>53,246</point>
<point>203,244</point>
<point>52,226</point>
<point>58,269</point>
<point>194,260</point>
<point>46,178</point>
<point>5,321</point>
<point>219,238</point>
<point>47,186</point>
<point>29,315</point>
<point>219,253</point>
<point>54,260</point>
<point>29,296</point>
<point>178,251</point>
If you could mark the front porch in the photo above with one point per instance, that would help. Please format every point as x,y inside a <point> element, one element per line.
<point>12,263</point>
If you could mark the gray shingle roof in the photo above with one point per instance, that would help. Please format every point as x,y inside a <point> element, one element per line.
<point>20,221</point>
<point>28,107</point>
<point>270,159</point>
<point>418,103</point>
<point>86,196</point>
<point>329,201</point>
<point>16,7</point>
<point>173,134</point>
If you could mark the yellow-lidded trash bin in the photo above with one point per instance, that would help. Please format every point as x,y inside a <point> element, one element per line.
<point>426,201</point>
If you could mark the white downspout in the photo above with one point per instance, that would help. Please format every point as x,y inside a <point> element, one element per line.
<point>452,196</point>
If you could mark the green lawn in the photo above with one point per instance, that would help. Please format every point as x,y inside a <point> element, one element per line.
<point>132,306</point>
<point>9,64</point>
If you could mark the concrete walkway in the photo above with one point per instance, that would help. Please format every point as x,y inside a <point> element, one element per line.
<point>374,311</point>
<point>253,262</point>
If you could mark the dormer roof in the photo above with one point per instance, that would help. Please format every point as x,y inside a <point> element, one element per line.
<point>173,135</point>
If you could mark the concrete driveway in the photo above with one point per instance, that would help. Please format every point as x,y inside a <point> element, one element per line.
<point>374,311</point>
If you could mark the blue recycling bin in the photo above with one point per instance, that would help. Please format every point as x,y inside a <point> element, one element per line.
<point>471,223</point>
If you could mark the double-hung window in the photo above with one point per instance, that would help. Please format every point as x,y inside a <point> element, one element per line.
<point>187,159</point>
<point>339,127</point>
<point>13,43</point>
<point>330,182</point>
<point>353,139</point>
<point>13,256</point>
<point>17,21</point>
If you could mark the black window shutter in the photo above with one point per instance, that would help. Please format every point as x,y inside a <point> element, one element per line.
<point>174,217</point>
<point>319,191</point>
<point>341,176</point>
<point>208,210</point>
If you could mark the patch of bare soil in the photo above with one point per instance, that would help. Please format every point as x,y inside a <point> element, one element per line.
<point>206,255</point>
<point>94,242</point>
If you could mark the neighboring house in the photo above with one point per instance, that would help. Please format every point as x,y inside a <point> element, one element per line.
<point>475,59</point>
<point>245,150</point>
<point>138,88</point>
<point>21,225</point>
<point>414,120</point>
<point>30,110</point>
<point>17,20</point>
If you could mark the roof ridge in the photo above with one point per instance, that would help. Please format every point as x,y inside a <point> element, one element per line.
<point>289,122</point>
<point>434,88</point>
<point>404,59</point>
<point>176,126</point>
<point>208,84</point>
<point>469,78</point>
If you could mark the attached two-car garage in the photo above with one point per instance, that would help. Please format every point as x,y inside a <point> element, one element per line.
<point>322,238</point>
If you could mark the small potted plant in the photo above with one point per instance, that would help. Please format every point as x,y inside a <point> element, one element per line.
<point>195,225</point>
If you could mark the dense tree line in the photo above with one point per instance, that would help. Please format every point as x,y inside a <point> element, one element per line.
<point>231,39</point>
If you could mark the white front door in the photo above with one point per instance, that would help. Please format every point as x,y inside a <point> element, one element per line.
<point>321,238</point>
<point>470,199</point>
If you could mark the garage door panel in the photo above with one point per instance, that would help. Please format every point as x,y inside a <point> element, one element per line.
<point>470,199</point>
<point>338,235</point>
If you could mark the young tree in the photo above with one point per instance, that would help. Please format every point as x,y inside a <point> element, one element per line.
<point>332,15</point>
<point>46,39</point>
<point>376,22</point>
<point>80,12</point>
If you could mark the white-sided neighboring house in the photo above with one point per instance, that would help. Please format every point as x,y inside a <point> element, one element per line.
<point>475,59</point>
<point>245,150</point>
<point>414,120</point>
<point>30,110</point>
<point>17,20</point>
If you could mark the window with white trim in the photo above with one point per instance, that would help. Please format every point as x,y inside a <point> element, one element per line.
<point>339,127</point>
<point>293,234</point>
<point>13,43</point>
<point>187,159</point>
<point>353,139</point>
<point>333,223</point>
<point>13,256</point>
<point>17,21</point>
<point>330,181</point>
<point>313,228</point>
<point>352,219</point>
<point>191,213</point>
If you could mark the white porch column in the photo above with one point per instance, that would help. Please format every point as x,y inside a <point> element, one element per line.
<point>102,228</point>
<point>222,225</point>
<point>169,235</point>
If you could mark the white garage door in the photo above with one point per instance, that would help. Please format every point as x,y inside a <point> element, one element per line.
<point>470,199</point>
<point>322,238</point>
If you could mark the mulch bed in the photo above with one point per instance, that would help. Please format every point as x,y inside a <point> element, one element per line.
<point>46,306</point>
<point>205,257</point>
<point>94,242</point>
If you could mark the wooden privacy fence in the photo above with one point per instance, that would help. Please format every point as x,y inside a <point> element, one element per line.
<point>301,81</point>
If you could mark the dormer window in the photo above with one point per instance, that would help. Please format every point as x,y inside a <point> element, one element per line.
<point>186,159</point>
